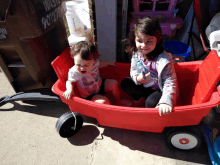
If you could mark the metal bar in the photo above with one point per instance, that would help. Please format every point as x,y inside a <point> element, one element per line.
<point>42,94</point>
<point>124,28</point>
<point>16,65</point>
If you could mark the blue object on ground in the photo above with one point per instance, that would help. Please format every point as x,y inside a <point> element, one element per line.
<point>217,146</point>
<point>177,48</point>
<point>213,148</point>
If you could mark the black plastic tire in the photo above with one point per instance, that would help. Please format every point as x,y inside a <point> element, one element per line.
<point>66,124</point>
<point>184,138</point>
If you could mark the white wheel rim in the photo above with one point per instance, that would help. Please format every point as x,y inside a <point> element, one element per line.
<point>184,141</point>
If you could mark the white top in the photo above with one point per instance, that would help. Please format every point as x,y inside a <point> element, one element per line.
<point>86,84</point>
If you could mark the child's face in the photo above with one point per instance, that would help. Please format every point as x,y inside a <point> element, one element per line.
<point>83,66</point>
<point>145,43</point>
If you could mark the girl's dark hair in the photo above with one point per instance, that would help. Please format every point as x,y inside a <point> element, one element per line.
<point>86,49</point>
<point>148,26</point>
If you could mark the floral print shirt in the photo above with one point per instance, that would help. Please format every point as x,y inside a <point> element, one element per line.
<point>86,84</point>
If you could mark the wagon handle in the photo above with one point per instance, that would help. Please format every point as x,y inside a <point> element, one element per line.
<point>4,100</point>
<point>44,94</point>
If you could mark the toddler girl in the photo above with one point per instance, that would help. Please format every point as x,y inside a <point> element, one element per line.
<point>153,78</point>
<point>84,75</point>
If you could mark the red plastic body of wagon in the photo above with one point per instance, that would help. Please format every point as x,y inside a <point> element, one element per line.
<point>197,96</point>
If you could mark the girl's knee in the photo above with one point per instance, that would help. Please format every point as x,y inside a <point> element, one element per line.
<point>127,83</point>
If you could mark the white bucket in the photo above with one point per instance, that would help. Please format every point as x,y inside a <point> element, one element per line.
<point>78,17</point>
<point>72,39</point>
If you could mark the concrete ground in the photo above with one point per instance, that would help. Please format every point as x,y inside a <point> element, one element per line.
<point>28,137</point>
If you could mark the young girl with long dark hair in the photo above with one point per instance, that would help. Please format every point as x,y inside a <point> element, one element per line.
<point>153,78</point>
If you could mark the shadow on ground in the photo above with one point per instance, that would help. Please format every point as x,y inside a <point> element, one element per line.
<point>155,143</point>
<point>152,143</point>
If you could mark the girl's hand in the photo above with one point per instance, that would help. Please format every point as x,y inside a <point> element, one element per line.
<point>143,78</point>
<point>166,109</point>
<point>67,94</point>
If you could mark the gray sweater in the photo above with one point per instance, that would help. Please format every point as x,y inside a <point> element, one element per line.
<point>167,79</point>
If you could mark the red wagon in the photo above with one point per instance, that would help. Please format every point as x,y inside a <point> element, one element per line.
<point>197,82</point>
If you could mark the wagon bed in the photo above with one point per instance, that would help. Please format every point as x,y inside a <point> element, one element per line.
<point>198,93</point>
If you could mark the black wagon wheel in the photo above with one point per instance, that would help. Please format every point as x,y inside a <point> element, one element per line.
<point>184,138</point>
<point>69,124</point>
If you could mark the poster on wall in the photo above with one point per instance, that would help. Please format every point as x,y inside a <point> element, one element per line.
<point>48,12</point>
